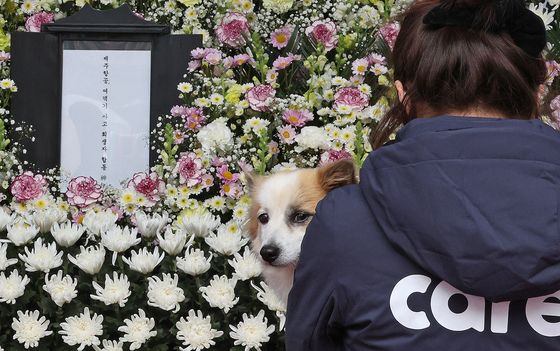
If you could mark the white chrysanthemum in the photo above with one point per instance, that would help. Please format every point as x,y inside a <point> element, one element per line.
<point>278,6</point>
<point>266,295</point>
<point>149,226</point>
<point>12,287</point>
<point>311,137</point>
<point>5,219</point>
<point>90,259</point>
<point>246,266</point>
<point>5,262</point>
<point>41,258</point>
<point>164,293</point>
<point>98,222</point>
<point>119,239</point>
<point>138,329</point>
<point>196,332</point>
<point>173,242</point>
<point>252,332</point>
<point>221,293</point>
<point>200,222</point>
<point>29,328</point>
<point>20,232</point>
<point>185,87</point>
<point>62,289</point>
<point>543,12</point>
<point>116,290</point>
<point>226,242</point>
<point>45,218</point>
<point>67,234</point>
<point>194,263</point>
<point>215,137</point>
<point>83,330</point>
<point>144,261</point>
<point>109,345</point>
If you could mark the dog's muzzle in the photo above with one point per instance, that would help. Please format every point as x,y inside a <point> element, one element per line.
<point>270,253</point>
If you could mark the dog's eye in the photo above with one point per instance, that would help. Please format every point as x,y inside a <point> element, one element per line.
<point>300,217</point>
<point>263,218</point>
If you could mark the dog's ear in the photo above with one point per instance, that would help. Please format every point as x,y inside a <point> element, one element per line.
<point>250,180</point>
<point>336,174</point>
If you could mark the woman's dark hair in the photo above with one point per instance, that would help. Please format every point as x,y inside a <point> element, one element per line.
<point>455,68</point>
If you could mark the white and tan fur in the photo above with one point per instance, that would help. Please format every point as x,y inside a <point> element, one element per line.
<point>282,207</point>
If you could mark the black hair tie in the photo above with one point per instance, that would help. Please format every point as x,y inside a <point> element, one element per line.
<point>525,27</point>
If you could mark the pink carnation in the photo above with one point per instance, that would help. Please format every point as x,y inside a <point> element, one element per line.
<point>260,96</point>
<point>149,185</point>
<point>28,186</point>
<point>83,191</point>
<point>323,32</point>
<point>233,29</point>
<point>190,169</point>
<point>34,22</point>
<point>333,156</point>
<point>297,118</point>
<point>352,98</point>
<point>389,32</point>
<point>281,37</point>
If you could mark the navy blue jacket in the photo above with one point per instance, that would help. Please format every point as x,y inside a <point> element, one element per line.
<point>451,241</point>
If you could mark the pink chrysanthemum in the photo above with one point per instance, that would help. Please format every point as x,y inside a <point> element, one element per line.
<point>179,111</point>
<point>231,190</point>
<point>553,70</point>
<point>287,134</point>
<point>4,56</point>
<point>284,61</point>
<point>233,29</point>
<point>360,66</point>
<point>297,118</point>
<point>226,176</point>
<point>194,118</point>
<point>241,59</point>
<point>198,53</point>
<point>213,56</point>
<point>374,58</point>
<point>207,181</point>
<point>281,37</point>
<point>178,137</point>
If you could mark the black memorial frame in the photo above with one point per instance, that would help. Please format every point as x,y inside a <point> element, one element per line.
<point>37,70</point>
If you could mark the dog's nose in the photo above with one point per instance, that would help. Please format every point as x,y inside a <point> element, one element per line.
<point>270,253</point>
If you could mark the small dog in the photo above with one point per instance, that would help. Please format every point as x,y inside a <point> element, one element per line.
<point>282,207</point>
